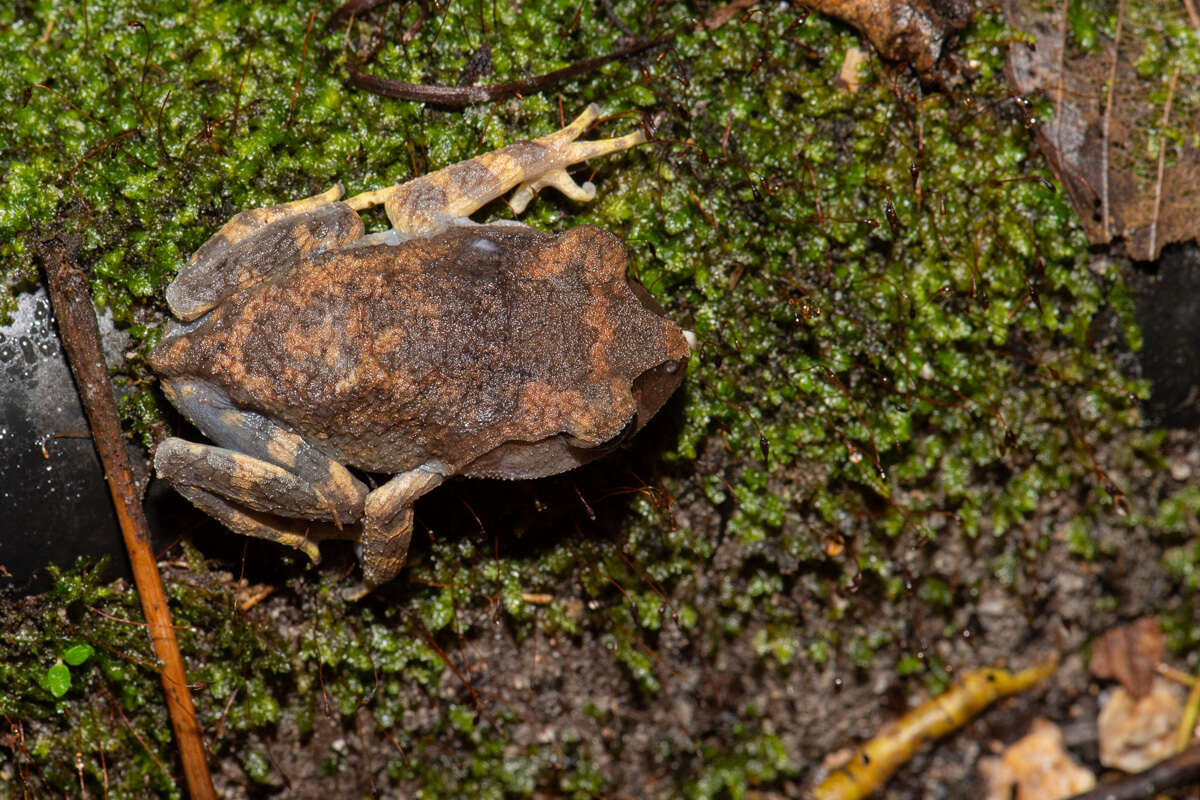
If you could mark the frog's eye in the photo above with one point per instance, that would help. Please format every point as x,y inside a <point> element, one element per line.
<point>670,367</point>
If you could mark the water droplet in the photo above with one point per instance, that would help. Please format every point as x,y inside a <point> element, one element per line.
<point>7,352</point>
<point>47,347</point>
<point>42,310</point>
<point>27,349</point>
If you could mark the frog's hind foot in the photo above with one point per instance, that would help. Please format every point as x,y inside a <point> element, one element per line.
<point>255,497</point>
<point>560,180</point>
<point>565,151</point>
<point>432,203</point>
<point>572,151</point>
<point>247,524</point>
<point>388,524</point>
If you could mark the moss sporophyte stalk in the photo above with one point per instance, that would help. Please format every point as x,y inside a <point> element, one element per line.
<point>907,367</point>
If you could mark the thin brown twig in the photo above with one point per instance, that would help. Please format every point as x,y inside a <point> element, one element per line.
<point>460,96</point>
<point>237,98</point>
<point>97,149</point>
<point>116,707</point>
<point>1193,17</point>
<point>1162,153</point>
<point>81,339</point>
<point>300,72</point>
<point>1107,120</point>
<point>1175,772</point>
<point>124,621</point>
<point>1063,22</point>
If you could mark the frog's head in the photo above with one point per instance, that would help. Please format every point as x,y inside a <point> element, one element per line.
<point>621,358</point>
<point>658,381</point>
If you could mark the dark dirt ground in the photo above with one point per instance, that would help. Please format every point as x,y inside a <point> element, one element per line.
<point>568,688</point>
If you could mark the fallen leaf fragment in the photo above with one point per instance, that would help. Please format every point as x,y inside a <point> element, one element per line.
<point>1134,734</point>
<point>913,31</point>
<point>848,77</point>
<point>1036,767</point>
<point>1124,112</point>
<point>1128,654</point>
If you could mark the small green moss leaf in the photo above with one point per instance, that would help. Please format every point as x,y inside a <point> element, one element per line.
<point>77,654</point>
<point>57,679</point>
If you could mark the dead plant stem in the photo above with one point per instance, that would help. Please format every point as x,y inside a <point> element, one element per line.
<point>81,339</point>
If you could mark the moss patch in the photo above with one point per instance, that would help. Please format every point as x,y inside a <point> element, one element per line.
<point>907,385</point>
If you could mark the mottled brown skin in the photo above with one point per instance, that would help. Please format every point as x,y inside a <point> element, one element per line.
<point>443,348</point>
<point>440,348</point>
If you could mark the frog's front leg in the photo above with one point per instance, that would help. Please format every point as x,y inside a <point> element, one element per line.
<point>431,203</point>
<point>258,243</point>
<point>262,478</point>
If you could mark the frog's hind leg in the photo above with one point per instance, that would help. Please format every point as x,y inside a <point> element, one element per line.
<point>258,243</point>
<point>259,475</point>
<point>246,223</point>
<point>431,203</point>
<point>179,467</point>
<point>388,523</point>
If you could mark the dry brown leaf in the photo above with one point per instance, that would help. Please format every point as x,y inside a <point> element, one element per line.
<point>1036,767</point>
<point>1126,108</point>
<point>1129,654</point>
<point>912,31</point>
<point>1135,734</point>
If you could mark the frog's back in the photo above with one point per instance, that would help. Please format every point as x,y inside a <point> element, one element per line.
<point>389,356</point>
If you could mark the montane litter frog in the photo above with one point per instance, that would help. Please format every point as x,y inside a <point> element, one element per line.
<point>439,347</point>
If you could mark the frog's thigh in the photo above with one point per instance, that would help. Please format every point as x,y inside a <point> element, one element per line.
<point>245,223</point>
<point>231,487</point>
<point>256,452</point>
<point>246,252</point>
<point>388,523</point>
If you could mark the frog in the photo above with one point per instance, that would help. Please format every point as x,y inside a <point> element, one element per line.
<point>339,376</point>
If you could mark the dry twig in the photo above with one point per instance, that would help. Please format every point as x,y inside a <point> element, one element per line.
<point>460,96</point>
<point>1171,773</point>
<point>81,339</point>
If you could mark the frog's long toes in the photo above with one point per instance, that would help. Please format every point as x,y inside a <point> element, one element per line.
<point>582,151</point>
<point>578,125</point>
<point>521,197</point>
<point>310,549</point>
<point>352,594</point>
<point>560,180</point>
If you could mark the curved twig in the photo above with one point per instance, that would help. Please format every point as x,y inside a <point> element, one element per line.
<point>460,96</point>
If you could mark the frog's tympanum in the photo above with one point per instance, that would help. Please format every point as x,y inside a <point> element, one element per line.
<point>439,347</point>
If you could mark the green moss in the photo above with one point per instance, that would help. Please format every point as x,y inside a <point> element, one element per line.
<point>756,758</point>
<point>891,295</point>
